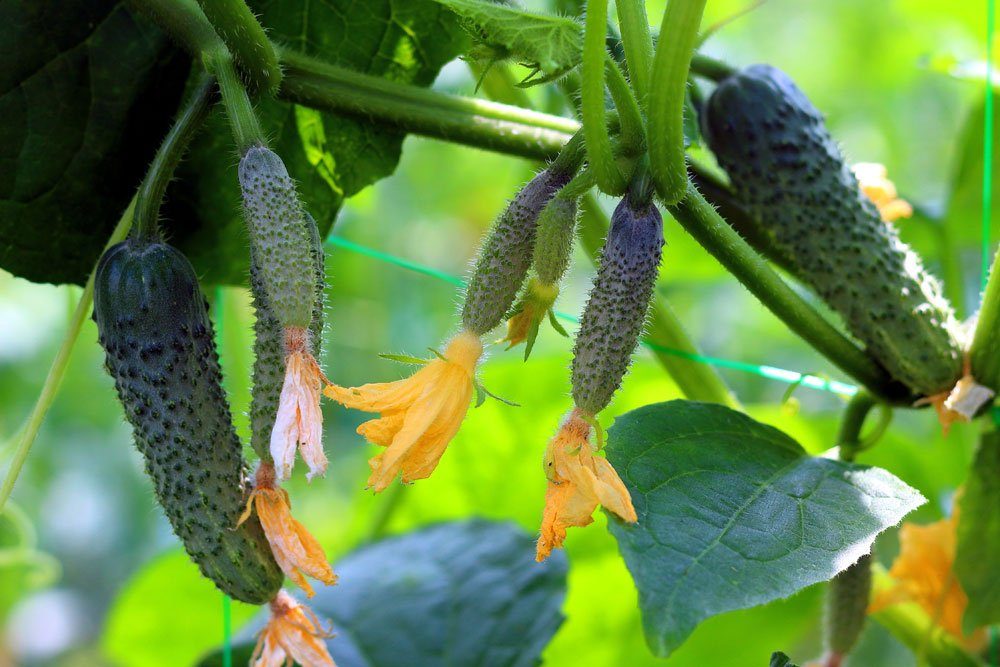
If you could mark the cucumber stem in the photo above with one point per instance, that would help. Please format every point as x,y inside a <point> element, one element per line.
<point>985,350</point>
<point>242,118</point>
<point>638,45</point>
<point>592,109</point>
<point>26,434</point>
<point>710,68</point>
<point>154,185</point>
<point>703,222</point>
<point>632,135</point>
<point>247,41</point>
<point>184,21</point>
<point>678,32</point>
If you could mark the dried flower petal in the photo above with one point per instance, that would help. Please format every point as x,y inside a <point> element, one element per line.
<point>293,634</point>
<point>299,421</point>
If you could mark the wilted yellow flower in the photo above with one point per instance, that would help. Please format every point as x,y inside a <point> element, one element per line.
<point>297,553</point>
<point>874,182</point>
<point>299,421</point>
<point>579,481</point>
<point>529,313</point>
<point>293,634</point>
<point>923,574</point>
<point>419,415</point>
<point>961,403</point>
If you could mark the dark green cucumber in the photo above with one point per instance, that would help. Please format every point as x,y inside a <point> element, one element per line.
<point>506,254</point>
<point>847,606</point>
<point>279,236</point>
<point>269,350</point>
<point>791,176</point>
<point>616,308</point>
<point>160,350</point>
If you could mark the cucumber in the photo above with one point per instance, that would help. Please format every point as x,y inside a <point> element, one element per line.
<point>847,606</point>
<point>268,346</point>
<point>506,254</point>
<point>279,237</point>
<point>154,327</point>
<point>616,308</point>
<point>791,176</point>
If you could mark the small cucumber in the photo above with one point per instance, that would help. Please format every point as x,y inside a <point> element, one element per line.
<point>279,237</point>
<point>616,309</point>
<point>791,176</point>
<point>160,350</point>
<point>506,254</point>
<point>847,606</point>
<point>269,350</point>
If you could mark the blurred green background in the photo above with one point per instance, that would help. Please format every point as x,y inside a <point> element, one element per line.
<point>124,594</point>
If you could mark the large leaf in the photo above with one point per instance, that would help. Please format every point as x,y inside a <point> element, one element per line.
<point>979,535</point>
<point>86,93</point>
<point>462,593</point>
<point>331,157</point>
<point>550,45</point>
<point>733,513</point>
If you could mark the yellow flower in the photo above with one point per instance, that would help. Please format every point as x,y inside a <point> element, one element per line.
<point>961,403</point>
<point>297,553</point>
<point>579,481</point>
<point>419,415</point>
<point>874,182</point>
<point>529,313</point>
<point>299,421</point>
<point>922,573</point>
<point>293,634</point>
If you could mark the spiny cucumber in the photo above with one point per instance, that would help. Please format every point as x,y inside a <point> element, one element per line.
<point>279,236</point>
<point>160,350</point>
<point>616,309</point>
<point>792,177</point>
<point>556,232</point>
<point>506,254</point>
<point>847,606</point>
<point>269,351</point>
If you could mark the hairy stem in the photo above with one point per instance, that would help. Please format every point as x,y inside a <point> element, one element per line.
<point>246,40</point>
<point>184,21</point>
<point>697,381</point>
<point>480,123</point>
<point>665,128</point>
<point>985,350</point>
<point>27,434</point>
<point>638,45</point>
<point>154,185</point>
<point>710,68</point>
<point>702,221</point>
<point>593,111</point>
<point>632,135</point>
<point>242,118</point>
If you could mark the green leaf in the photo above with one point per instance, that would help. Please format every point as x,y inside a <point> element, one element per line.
<point>550,45</point>
<point>167,614</point>
<point>331,157</point>
<point>404,359</point>
<point>734,513</point>
<point>460,593</point>
<point>779,659</point>
<point>88,92</point>
<point>979,535</point>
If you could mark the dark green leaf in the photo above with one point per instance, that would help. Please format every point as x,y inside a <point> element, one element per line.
<point>550,45</point>
<point>979,535</point>
<point>779,659</point>
<point>88,90</point>
<point>331,157</point>
<point>462,593</point>
<point>734,513</point>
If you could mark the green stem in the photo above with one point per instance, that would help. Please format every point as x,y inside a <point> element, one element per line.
<point>632,133</point>
<point>697,381</point>
<point>480,123</point>
<point>246,40</point>
<point>638,44</point>
<point>242,118</point>
<point>27,433</point>
<point>571,156</point>
<point>391,501</point>
<point>184,21</point>
<point>154,185</point>
<point>849,437</point>
<point>592,110</point>
<point>710,68</point>
<point>703,222</point>
<point>985,350</point>
<point>665,128</point>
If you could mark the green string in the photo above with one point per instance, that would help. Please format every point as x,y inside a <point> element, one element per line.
<point>769,372</point>
<point>227,644</point>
